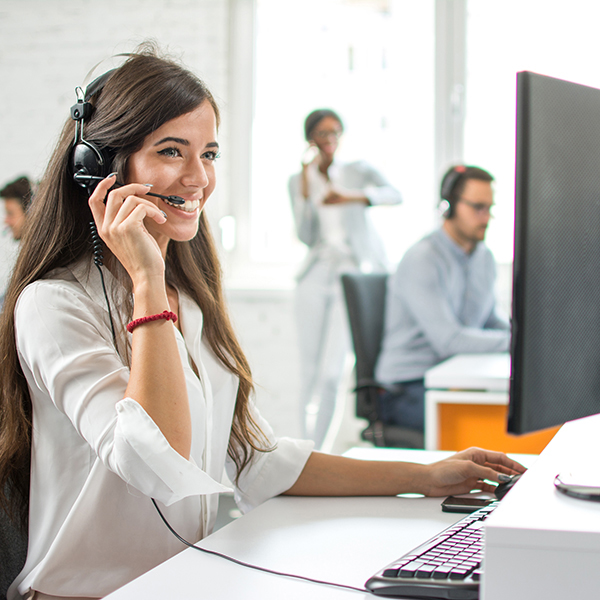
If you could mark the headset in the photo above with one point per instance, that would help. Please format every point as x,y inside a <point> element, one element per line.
<point>449,182</point>
<point>89,163</point>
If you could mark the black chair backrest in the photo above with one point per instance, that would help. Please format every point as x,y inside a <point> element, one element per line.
<point>13,551</point>
<point>365,301</point>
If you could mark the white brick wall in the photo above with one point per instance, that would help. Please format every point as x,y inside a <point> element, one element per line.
<point>48,47</point>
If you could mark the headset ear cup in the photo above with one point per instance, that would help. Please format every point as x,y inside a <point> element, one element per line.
<point>445,209</point>
<point>88,159</point>
<point>449,182</point>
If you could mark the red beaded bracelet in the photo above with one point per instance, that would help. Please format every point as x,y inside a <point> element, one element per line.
<point>167,314</point>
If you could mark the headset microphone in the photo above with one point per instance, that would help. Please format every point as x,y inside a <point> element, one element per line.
<point>88,180</point>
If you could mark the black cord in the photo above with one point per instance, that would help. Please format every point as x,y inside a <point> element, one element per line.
<point>248,565</point>
<point>99,261</point>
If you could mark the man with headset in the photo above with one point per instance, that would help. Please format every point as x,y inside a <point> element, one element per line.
<point>440,301</point>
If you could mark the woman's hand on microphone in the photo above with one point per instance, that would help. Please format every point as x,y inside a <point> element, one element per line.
<point>120,224</point>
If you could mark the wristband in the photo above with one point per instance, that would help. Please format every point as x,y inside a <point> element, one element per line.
<point>167,315</point>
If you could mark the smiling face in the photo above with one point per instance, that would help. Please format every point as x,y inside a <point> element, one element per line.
<point>178,159</point>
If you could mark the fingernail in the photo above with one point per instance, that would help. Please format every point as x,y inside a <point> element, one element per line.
<point>164,213</point>
<point>504,478</point>
<point>148,185</point>
<point>111,175</point>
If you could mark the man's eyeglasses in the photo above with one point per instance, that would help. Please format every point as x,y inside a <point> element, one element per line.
<point>481,208</point>
<point>324,134</point>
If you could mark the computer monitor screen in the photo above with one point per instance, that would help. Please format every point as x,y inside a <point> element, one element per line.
<point>555,353</point>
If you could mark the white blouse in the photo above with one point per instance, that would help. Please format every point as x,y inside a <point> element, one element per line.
<point>338,232</point>
<point>97,457</point>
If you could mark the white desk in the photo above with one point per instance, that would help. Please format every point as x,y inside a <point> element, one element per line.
<point>540,543</point>
<point>341,540</point>
<point>464,379</point>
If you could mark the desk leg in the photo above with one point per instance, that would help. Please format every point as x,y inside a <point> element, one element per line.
<point>431,421</point>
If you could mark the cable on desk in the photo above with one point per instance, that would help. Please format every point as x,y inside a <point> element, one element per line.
<point>256,567</point>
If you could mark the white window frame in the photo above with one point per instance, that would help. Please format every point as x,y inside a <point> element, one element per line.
<point>450,61</point>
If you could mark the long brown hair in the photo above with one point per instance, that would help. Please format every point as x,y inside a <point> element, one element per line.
<point>144,93</point>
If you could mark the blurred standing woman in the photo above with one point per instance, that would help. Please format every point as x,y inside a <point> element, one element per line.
<point>330,201</point>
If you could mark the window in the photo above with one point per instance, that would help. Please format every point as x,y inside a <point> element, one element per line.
<point>371,61</point>
<point>548,37</point>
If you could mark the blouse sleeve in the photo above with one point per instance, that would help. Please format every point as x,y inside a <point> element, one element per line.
<point>270,473</point>
<point>66,351</point>
<point>378,189</point>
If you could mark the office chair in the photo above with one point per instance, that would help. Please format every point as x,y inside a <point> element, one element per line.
<point>13,551</point>
<point>365,301</point>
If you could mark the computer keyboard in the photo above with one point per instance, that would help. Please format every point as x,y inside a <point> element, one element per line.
<point>447,566</point>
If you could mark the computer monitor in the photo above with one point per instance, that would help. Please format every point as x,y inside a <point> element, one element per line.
<point>555,353</point>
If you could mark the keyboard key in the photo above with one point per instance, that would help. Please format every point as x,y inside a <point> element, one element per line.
<point>391,573</point>
<point>410,569</point>
<point>459,573</point>
<point>444,546</point>
<point>425,571</point>
<point>441,573</point>
<point>436,561</point>
<point>471,563</point>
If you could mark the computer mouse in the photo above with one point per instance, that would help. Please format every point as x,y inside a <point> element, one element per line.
<point>503,488</point>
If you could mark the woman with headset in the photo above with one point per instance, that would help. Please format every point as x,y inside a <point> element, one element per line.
<point>124,389</point>
<point>330,200</point>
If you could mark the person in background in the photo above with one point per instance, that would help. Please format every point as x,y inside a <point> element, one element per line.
<point>16,196</point>
<point>440,301</point>
<point>331,200</point>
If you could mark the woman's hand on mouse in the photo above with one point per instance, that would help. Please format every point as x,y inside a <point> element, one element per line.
<point>466,471</point>
<point>120,223</point>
